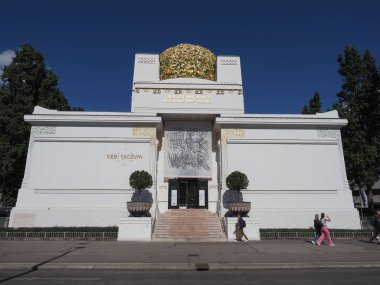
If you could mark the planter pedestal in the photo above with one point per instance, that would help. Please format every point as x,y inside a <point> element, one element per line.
<point>241,208</point>
<point>138,209</point>
<point>135,229</point>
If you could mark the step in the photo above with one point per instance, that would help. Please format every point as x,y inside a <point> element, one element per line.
<point>179,234</point>
<point>187,235</point>
<point>193,231</point>
<point>216,224</point>
<point>189,224</point>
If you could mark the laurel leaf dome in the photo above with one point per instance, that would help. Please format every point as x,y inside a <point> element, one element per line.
<point>187,61</point>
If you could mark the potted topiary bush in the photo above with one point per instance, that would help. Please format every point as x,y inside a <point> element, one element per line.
<point>141,200</point>
<point>237,181</point>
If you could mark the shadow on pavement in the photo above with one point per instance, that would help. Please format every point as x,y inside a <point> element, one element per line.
<point>367,241</point>
<point>35,267</point>
<point>324,242</point>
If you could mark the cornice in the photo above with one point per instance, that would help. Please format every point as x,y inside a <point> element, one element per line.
<point>188,86</point>
<point>281,121</point>
<point>68,119</point>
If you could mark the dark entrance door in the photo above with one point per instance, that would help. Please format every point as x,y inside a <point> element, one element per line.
<point>188,193</point>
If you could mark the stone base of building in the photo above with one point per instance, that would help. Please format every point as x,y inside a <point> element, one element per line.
<point>135,229</point>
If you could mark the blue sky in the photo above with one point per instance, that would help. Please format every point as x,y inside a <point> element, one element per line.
<point>288,49</point>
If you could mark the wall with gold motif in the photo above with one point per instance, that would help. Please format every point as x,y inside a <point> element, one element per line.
<point>78,168</point>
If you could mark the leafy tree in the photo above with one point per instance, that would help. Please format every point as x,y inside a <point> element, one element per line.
<point>140,180</point>
<point>237,181</point>
<point>359,102</point>
<point>314,105</point>
<point>28,77</point>
<point>27,83</point>
<point>14,136</point>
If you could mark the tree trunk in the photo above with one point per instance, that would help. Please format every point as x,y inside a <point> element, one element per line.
<point>363,198</point>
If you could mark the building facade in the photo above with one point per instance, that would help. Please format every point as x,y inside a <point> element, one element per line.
<point>188,129</point>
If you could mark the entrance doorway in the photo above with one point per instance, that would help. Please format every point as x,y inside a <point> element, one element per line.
<point>188,193</point>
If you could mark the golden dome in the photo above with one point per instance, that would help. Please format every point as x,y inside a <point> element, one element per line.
<point>187,61</point>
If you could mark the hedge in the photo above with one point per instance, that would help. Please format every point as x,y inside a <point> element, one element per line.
<point>308,230</point>
<point>115,229</point>
<point>62,229</point>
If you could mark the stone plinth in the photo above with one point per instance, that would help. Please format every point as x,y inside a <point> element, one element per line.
<point>135,229</point>
<point>252,230</point>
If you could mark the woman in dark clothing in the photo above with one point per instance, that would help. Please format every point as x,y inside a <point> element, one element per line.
<point>239,229</point>
<point>376,227</point>
<point>317,227</point>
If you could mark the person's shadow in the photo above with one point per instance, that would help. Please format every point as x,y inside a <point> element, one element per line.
<point>142,196</point>
<point>36,267</point>
<point>231,196</point>
<point>367,241</point>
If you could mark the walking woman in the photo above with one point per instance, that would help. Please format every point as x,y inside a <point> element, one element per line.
<point>317,226</point>
<point>239,229</point>
<point>325,231</point>
<point>376,227</point>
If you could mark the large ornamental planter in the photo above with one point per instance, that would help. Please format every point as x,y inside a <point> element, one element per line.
<point>241,208</point>
<point>237,181</point>
<point>139,209</point>
<point>141,200</point>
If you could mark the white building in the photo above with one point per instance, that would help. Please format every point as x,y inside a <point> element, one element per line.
<point>187,127</point>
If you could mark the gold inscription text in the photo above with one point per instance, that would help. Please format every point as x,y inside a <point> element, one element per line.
<point>122,156</point>
<point>182,98</point>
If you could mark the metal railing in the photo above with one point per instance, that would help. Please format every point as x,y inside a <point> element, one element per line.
<point>113,235</point>
<point>219,205</point>
<point>221,219</point>
<point>303,235</point>
<point>156,212</point>
<point>59,235</point>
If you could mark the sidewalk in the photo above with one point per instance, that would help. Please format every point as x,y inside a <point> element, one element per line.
<point>271,254</point>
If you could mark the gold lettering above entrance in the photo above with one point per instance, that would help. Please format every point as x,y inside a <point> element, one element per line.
<point>188,98</point>
<point>188,91</point>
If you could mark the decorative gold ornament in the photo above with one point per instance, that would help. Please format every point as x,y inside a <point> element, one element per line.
<point>187,61</point>
<point>145,132</point>
<point>188,91</point>
<point>231,133</point>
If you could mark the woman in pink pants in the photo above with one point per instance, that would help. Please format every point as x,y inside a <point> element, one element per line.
<point>325,231</point>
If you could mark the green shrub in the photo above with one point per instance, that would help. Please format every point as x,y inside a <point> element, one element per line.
<point>237,181</point>
<point>140,180</point>
<point>62,229</point>
<point>293,230</point>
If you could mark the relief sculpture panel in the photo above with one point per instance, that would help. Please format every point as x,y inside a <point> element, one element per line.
<point>188,150</point>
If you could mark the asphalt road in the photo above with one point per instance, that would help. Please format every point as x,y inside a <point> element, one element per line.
<point>168,277</point>
<point>132,255</point>
<point>263,262</point>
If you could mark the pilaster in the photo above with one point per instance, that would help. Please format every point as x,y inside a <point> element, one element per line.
<point>35,131</point>
<point>335,134</point>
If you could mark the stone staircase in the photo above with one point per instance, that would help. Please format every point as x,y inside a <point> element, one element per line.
<point>188,225</point>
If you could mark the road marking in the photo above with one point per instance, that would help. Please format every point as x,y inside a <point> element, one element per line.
<point>57,278</point>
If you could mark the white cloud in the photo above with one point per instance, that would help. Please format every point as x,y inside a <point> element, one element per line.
<point>6,57</point>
